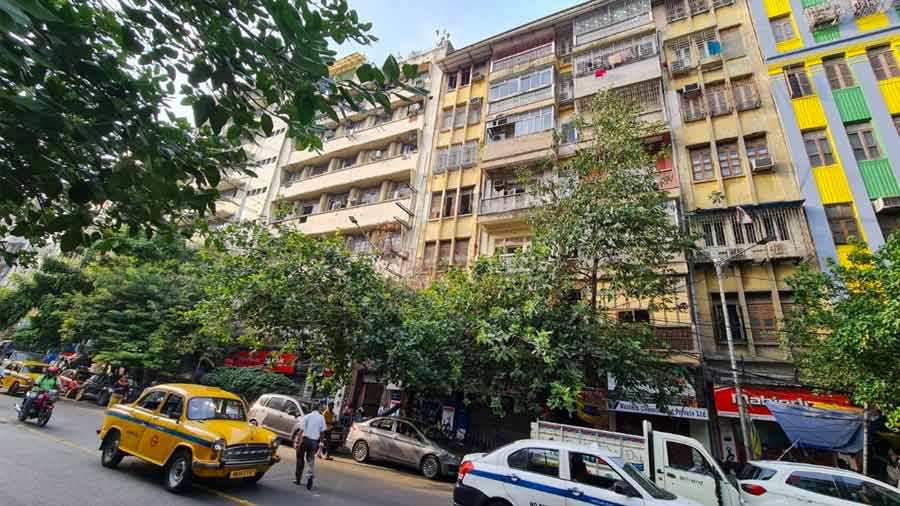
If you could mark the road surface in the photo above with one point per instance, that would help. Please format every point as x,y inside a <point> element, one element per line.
<point>59,465</point>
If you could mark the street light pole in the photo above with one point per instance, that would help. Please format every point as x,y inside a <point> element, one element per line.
<point>739,395</point>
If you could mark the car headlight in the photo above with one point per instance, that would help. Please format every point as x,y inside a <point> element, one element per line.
<point>274,444</point>
<point>218,445</point>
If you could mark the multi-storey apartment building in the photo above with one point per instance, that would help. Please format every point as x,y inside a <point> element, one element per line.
<point>508,103</point>
<point>835,73</point>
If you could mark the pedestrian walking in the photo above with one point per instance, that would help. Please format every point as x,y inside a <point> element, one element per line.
<point>328,415</point>
<point>307,444</point>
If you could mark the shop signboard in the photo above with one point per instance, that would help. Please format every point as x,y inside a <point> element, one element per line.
<point>644,408</point>
<point>281,363</point>
<point>757,397</point>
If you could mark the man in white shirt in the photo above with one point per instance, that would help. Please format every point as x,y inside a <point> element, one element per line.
<point>307,443</point>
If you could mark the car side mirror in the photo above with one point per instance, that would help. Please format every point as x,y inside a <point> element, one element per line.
<point>623,488</point>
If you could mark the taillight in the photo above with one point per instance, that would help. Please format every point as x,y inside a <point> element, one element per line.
<point>753,489</point>
<point>464,469</point>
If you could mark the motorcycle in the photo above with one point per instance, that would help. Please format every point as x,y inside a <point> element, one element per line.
<point>38,404</point>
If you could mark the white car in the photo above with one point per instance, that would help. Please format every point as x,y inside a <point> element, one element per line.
<point>535,472</point>
<point>775,483</point>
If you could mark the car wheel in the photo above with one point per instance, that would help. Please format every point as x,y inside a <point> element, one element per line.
<point>254,423</point>
<point>178,472</point>
<point>431,467</point>
<point>13,389</point>
<point>110,455</point>
<point>360,451</point>
<point>253,480</point>
<point>103,399</point>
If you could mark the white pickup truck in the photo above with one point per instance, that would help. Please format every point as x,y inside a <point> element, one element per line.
<point>678,464</point>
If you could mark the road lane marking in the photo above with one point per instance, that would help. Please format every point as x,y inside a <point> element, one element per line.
<point>76,446</point>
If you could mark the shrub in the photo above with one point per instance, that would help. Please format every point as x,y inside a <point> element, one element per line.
<point>250,383</point>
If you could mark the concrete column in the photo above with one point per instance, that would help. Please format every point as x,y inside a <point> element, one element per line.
<point>813,207</point>
<point>763,29</point>
<point>864,209</point>
<point>805,33</point>
<point>881,119</point>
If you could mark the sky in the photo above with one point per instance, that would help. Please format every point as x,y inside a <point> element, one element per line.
<point>403,26</point>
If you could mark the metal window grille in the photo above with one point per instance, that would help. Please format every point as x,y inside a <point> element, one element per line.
<point>619,53</point>
<point>675,10</point>
<point>646,94</point>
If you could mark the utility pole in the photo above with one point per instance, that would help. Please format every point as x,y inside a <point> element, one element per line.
<point>739,395</point>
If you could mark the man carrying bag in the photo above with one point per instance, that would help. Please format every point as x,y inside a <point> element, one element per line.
<point>307,443</point>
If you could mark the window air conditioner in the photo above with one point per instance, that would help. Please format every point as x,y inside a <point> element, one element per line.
<point>763,164</point>
<point>475,100</point>
<point>497,122</point>
<point>377,154</point>
<point>691,89</point>
<point>477,75</point>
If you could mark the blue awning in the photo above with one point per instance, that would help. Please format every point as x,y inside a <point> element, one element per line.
<point>820,429</point>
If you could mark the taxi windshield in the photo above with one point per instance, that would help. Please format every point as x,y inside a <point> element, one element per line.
<point>33,369</point>
<point>214,408</point>
<point>647,485</point>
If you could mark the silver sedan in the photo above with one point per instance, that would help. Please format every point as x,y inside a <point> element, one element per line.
<point>399,440</point>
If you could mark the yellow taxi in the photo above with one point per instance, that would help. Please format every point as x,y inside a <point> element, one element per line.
<point>18,376</point>
<point>191,431</point>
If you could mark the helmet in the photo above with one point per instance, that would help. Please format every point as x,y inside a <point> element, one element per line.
<point>52,369</point>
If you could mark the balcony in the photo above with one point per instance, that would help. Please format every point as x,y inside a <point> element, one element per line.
<point>226,209</point>
<point>724,236</point>
<point>507,203</point>
<point>533,58</point>
<point>890,89</point>
<point>367,216</point>
<point>610,19</point>
<point>372,135</point>
<point>517,149</point>
<point>359,175</point>
<point>681,66</point>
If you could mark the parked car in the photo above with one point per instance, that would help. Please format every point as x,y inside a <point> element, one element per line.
<point>278,413</point>
<point>400,440</point>
<point>776,483</point>
<point>19,375</point>
<point>191,431</point>
<point>533,471</point>
<point>96,387</point>
<point>70,380</point>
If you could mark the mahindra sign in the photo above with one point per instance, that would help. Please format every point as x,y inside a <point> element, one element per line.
<point>756,399</point>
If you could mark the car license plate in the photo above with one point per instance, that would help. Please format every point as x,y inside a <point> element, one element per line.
<point>335,437</point>
<point>246,473</point>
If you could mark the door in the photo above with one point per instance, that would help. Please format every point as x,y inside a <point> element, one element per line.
<point>287,417</point>
<point>381,438</point>
<point>683,470</point>
<point>271,416</point>
<point>533,477</point>
<point>594,481</point>
<point>410,444</point>
<point>144,412</point>
<point>159,440</point>
<point>8,376</point>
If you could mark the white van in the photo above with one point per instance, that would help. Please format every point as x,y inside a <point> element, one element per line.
<point>678,464</point>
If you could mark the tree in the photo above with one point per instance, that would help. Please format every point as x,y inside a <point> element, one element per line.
<point>249,382</point>
<point>280,288</point>
<point>87,143</point>
<point>845,329</point>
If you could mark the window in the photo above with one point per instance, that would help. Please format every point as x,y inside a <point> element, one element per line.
<point>465,76</point>
<point>732,42</point>
<point>757,149</point>
<point>521,124</point>
<point>608,14</point>
<point>729,160</point>
<point>685,458</point>
<point>706,43</point>
<point>817,483</point>
<point>212,408</point>
<point>762,318</point>
<point>862,139</point>
<point>347,162</point>
<point>897,123</point>
<point>338,201</point>
<point>714,234</point>
<point>384,116</point>
<point>307,208</point>
<point>474,113</point>
<point>782,28</point>
<point>838,72</point>
<point>443,253</point>
<point>717,97</point>
<point>460,252</point>
<point>406,430</point>
<point>369,195</point>
<point>470,153</point>
<point>401,190</point>
<point>647,95</point>
<point>798,81</point>
<point>884,63</point>
<point>173,407</point>
<point>449,204</point>
<point>532,81</point>
<point>692,106</point>
<point>291,407</point>
<point>318,170</point>
<point>440,163</point>
<point>746,95</point>
<point>701,163</point>
<point>383,424</point>
<point>435,211</point>
<point>675,10</point>
<point>633,316</point>
<point>455,156</point>
<point>459,117</point>
<point>842,222</point>
<point>536,460</point>
<point>465,200</point>
<point>446,120</point>
<point>451,80</point>
<point>430,251</point>
<point>818,148</point>
<point>358,245</point>
<point>151,401</point>
<point>735,320</point>
<point>619,53</point>
<point>592,471</point>
<point>863,492</point>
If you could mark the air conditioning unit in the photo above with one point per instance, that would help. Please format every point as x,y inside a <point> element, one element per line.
<point>690,89</point>
<point>887,204</point>
<point>823,14</point>
<point>763,164</point>
<point>477,75</point>
<point>863,8</point>
<point>497,122</point>
<point>378,154</point>
<point>475,100</point>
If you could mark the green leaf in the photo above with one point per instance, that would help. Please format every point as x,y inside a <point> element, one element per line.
<point>266,123</point>
<point>391,69</point>
<point>37,10</point>
<point>203,109</point>
<point>410,71</point>
<point>200,73</point>
<point>217,120</point>
<point>365,73</point>
<point>15,12</point>
<point>130,40</point>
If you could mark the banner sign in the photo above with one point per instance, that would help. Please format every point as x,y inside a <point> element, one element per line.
<point>281,363</point>
<point>651,409</point>
<point>755,399</point>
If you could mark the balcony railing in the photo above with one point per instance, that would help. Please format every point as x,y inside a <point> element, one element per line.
<point>698,6</point>
<point>522,58</point>
<point>728,233</point>
<point>507,203</point>
<point>681,66</point>
<point>520,100</point>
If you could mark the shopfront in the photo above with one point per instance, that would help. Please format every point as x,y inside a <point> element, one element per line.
<point>773,442</point>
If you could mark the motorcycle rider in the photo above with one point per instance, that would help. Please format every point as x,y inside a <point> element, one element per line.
<point>44,383</point>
